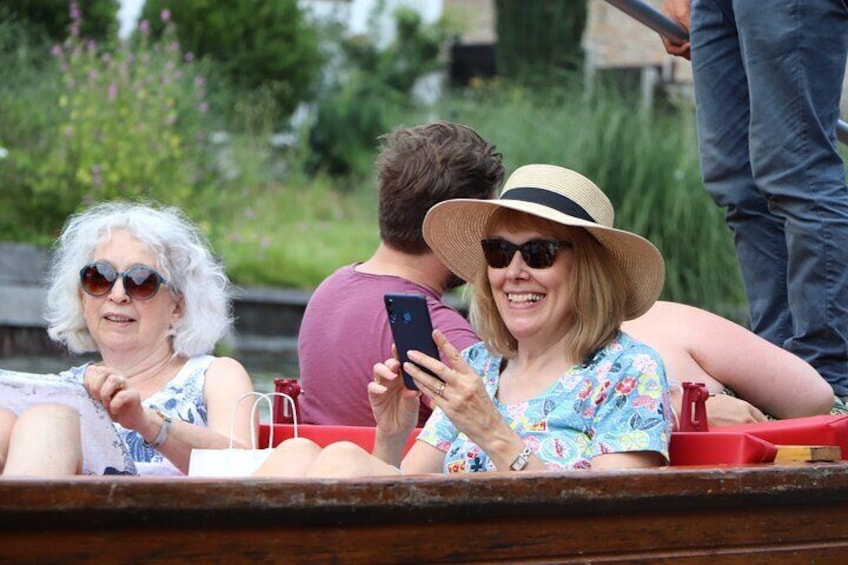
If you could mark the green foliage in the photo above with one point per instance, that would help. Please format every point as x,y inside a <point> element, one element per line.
<point>116,124</point>
<point>538,38</point>
<point>272,224</point>
<point>256,44</point>
<point>370,90</point>
<point>95,19</point>
<point>295,233</point>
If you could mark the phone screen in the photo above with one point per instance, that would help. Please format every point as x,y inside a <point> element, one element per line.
<point>411,327</point>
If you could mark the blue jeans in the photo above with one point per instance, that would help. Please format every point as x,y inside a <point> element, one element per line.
<point>768,79</point>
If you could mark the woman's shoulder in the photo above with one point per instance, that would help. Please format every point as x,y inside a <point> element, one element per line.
<point>223,368</point>
<point>625,345</point>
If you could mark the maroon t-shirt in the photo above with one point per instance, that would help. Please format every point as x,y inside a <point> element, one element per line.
<point>344,332</point>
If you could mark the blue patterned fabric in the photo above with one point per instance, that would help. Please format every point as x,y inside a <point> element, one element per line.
<point>181,399</point>
<point>617,402</point>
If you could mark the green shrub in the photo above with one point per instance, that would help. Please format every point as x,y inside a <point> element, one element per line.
<point>122,123</point>
<point>255,43</point>
<point>95,19</point>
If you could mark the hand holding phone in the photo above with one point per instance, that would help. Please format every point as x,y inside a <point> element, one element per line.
<point>409,320</point>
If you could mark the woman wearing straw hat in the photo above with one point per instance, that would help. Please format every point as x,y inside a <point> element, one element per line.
<point>554,384</point>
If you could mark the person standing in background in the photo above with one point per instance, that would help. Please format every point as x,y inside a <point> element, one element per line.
<point>768,79</point>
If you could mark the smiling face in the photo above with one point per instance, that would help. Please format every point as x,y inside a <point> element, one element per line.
<point>123,325</point>
<point>535,304</point>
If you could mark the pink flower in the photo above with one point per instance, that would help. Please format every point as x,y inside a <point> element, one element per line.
<point>165,15</point>
<point>626,385</point>
<point>645,400</point>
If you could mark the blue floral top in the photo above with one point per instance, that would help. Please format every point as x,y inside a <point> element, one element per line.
<point>182,398</point>
<point>617,402</point>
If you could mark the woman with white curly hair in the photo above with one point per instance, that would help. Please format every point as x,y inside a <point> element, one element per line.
<point>138,285</point>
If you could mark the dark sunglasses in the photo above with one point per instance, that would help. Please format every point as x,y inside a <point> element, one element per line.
<point>537,253</point>
<point>140,282</point>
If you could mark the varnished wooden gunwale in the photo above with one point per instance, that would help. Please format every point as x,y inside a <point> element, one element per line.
<point>763,514</point>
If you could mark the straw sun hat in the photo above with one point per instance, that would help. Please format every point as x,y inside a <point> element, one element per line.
<point>453,228</point>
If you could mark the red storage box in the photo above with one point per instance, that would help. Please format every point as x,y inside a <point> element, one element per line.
<point>719,448</point>
<point>814,430</point>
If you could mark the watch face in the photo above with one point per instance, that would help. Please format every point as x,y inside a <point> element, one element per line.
<point>521,460</point>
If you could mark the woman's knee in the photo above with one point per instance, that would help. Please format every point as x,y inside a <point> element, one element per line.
<point>291,458</point>
<point>7,422</point>
<point>298,445</point>
<point>345,459</point>
<point>48,415</point>
<point>45,441</point>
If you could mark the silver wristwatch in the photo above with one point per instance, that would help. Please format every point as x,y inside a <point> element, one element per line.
<point>521,459</point>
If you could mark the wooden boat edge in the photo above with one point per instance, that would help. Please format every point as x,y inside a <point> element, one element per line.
<point>679,515</point>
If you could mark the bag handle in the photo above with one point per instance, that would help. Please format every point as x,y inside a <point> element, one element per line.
<point>267,397</point>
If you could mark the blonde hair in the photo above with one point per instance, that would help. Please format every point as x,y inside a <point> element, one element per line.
<point>598,291</point>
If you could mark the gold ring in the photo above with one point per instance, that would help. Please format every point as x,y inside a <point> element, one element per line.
<point>122,383</point>
<point>441,390</point>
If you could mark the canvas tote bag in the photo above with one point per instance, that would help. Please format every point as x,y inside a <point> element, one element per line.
<point>233,461</point>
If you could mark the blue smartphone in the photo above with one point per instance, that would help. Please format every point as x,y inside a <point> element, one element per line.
<point>409,320</point>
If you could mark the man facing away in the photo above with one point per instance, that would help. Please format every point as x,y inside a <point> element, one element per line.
<point>345,329</point>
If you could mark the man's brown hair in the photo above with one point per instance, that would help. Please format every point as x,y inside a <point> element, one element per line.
<point>421,166</point>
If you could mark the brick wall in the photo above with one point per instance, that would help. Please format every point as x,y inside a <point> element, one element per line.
<point>614,40</point>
